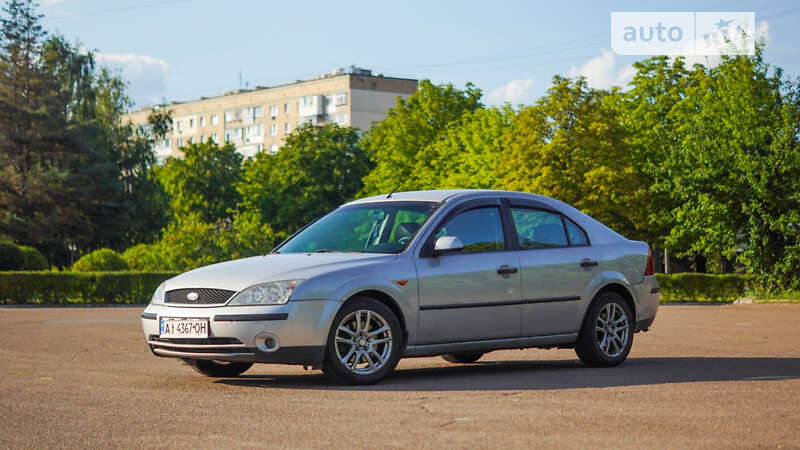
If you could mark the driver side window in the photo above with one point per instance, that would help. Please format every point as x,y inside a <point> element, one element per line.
<point>480,230</point>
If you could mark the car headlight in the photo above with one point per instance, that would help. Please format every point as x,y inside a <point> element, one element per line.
<point>158,295</point>
<point>272,293</point>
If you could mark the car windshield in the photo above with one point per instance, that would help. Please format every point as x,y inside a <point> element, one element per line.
<point>380,227</point>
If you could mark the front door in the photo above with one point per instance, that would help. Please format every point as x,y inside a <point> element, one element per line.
<point>475,294</point>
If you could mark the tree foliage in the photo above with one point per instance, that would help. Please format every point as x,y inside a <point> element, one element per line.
<point>570,146</point>
<point>317,169</point>
<point>203,183</point>
<point>69,171</point>
<point>411,126</point>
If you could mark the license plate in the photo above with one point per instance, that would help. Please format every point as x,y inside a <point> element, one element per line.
<point>173,327</point>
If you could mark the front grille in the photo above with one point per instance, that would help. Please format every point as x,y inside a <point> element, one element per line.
<point>197,341</point>
<point>204,296</point>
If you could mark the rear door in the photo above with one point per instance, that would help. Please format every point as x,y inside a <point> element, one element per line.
<point>475,294</point>
<point>557,264</point>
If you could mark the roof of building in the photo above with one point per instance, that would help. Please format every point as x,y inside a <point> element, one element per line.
<point>352,71</point>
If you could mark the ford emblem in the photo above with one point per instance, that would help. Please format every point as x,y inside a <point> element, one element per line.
<point>192,296</point>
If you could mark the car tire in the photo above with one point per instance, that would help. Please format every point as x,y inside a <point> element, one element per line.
<point>606,335</point>
<point>365,342</point>
<point>218,369</point>
<point>462,358</point>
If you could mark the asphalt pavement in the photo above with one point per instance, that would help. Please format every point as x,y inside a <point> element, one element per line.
<point>704,376</point>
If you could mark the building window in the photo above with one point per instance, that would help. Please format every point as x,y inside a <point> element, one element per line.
<point>273,148</point>
<point>259,148</point>
<point>178,125</point>
<point>202,139</point>
<point>273,130</point>
<point>258,111</point>
<point>231,116</point>
<point>214,119</point>
<point>191,140</point>
<point>273,111</point>
<point>341,99</point>
<point>286,108</point>
<point>287,128</point>
<point>308,100</point>
<point>191,123</point>
<point>202,121</point>
<point>330,105</point>
<point>341,119</point>
<point>254,130</point>
<point>180,142</point>
<point>215,138</point>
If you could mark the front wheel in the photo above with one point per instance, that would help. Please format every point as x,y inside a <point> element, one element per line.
<point>607,332</point>
<point>364,344</point>
<point>218,369</point>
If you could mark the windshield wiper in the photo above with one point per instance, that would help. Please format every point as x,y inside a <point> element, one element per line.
<point>323,250</point>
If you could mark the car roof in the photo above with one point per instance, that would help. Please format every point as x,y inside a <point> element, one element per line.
<point>436,195</point>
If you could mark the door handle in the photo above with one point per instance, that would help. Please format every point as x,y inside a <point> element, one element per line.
<point>588,263</point>
<point>506,270</point>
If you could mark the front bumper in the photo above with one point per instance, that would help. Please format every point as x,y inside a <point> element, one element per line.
<point>298,329</point>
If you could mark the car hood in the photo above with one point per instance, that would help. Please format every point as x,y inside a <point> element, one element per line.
<point>240,273</point>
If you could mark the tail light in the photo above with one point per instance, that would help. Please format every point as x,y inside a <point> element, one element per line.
<point>648,269</point>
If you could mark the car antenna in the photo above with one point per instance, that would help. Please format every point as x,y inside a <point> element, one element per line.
<point>395,189</point>
<point>413,172</point>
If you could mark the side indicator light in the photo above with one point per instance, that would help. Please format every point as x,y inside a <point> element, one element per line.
<point>401,282</point>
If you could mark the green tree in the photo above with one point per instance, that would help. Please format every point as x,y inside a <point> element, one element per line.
<point>69,172</point>
<point>412,125</point>
<point>317,169</point>
<point>570,146</point>
<point>734,173</point>
<point>469,154</point>
<point>203,182</point>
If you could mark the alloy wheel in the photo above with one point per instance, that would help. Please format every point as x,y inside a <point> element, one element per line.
<point>613,330</point>
<point>363,342</point>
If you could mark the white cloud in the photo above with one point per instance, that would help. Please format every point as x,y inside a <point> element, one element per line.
<point>514,92</point>
<point>147,75</point>
<point>601,72</point>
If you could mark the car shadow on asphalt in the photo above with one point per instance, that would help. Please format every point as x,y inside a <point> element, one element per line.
<point>548,375</point>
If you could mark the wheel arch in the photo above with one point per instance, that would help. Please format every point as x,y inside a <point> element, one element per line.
<point>622,291</point>
<point>387,300</point>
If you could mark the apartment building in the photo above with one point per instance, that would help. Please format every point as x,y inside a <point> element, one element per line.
<point>259,119</point>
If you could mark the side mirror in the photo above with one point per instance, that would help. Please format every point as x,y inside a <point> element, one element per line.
<point>446,245</point>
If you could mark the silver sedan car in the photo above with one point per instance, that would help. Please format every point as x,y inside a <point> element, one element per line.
<point>457,273</point>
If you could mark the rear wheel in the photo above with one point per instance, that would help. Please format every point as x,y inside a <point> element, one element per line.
<point>607,332</point>
<point>218,369</point>
<point>462,358</point>
<point>364,344</point>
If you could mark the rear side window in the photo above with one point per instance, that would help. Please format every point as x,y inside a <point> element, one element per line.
<point>538,229</point>
<point>480,230</point>
<point>576,235</point>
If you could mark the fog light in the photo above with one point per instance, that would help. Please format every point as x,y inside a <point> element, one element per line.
<point>267,342</point>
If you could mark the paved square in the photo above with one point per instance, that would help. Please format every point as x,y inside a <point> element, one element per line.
<point>704,376</point>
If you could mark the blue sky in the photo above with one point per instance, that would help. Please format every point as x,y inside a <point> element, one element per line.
<point>184,49</point>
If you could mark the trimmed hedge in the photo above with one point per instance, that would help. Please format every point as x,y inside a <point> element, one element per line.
<point>62,288</point>
<point>701,287</point>
<point>11,256</point>
<point>100,260</point>
<point>34,259</point>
